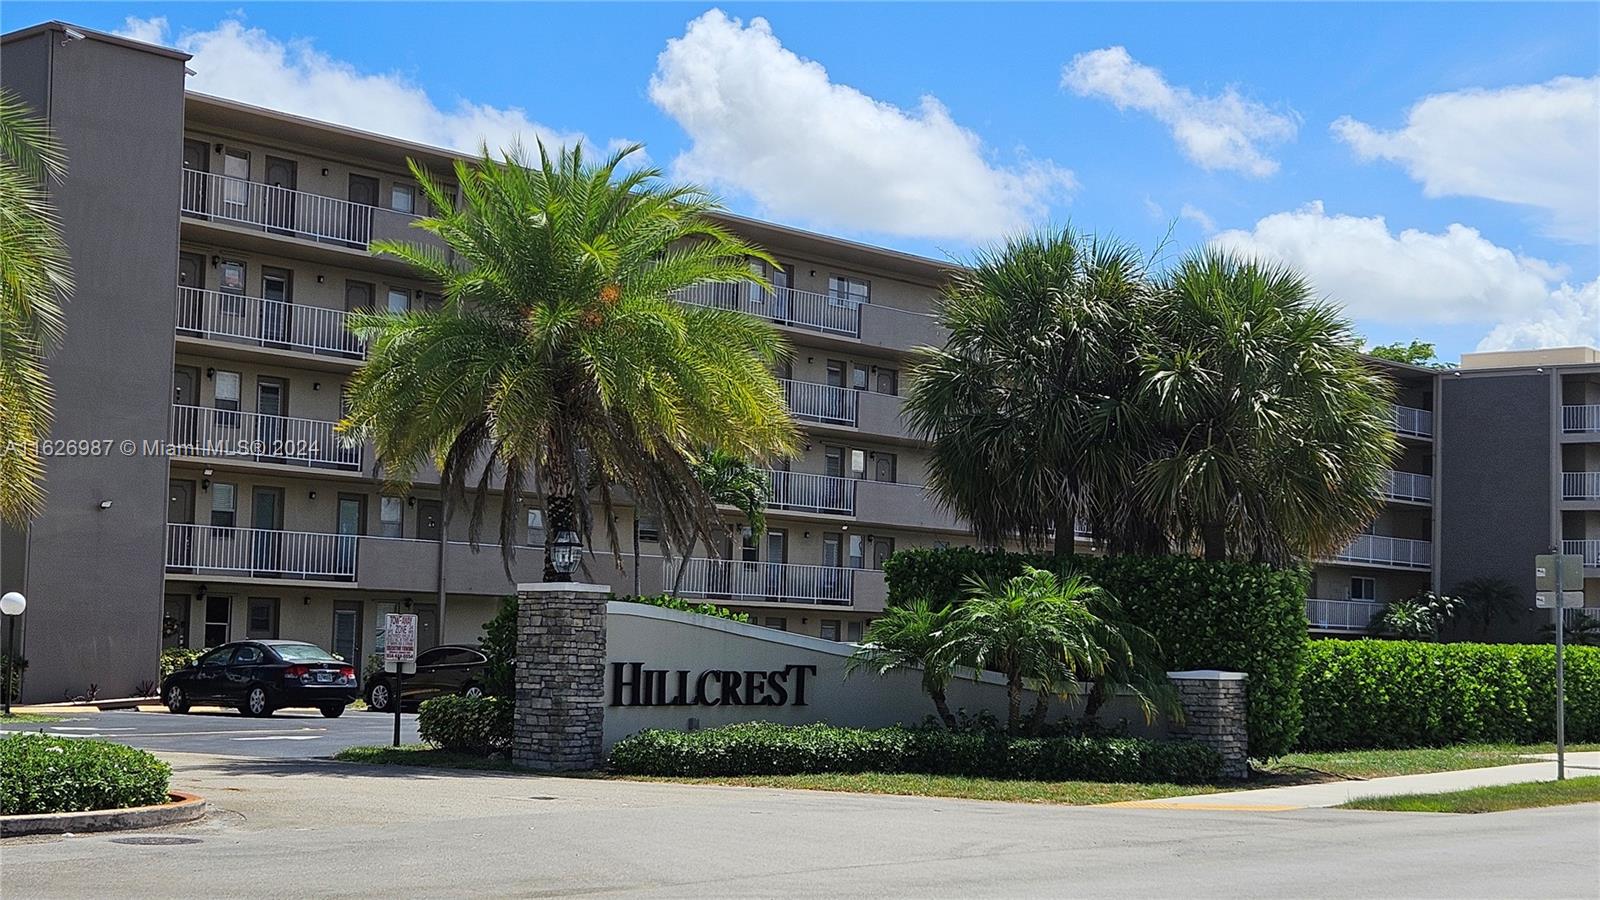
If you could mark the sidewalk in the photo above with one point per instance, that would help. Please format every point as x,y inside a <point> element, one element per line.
<point>1333,793</point>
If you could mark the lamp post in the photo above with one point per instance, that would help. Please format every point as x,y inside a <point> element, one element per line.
<point>564,554</point>
<point>11,605</point>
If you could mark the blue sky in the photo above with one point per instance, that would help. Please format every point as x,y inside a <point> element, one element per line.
<point>1432,167</point>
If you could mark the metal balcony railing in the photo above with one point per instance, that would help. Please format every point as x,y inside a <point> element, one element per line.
<point>1412,421</point>
<point>812,402</point>
<point>1588,549</point>
<point>1580,485</point>
<point>283,440</point>
<point>813,493</point>
<point>1378,549</point>
<point>1409,486</point>
<point>1580,419</point>
<point>260,552</point>
<point>784,306</point>
<point>219,315</point>
<point>765,581</point>
<point>1342,615</point>
<point>280,210</point>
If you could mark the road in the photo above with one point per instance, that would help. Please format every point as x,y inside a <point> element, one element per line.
<point>309,828</point>
<point>286,734</point>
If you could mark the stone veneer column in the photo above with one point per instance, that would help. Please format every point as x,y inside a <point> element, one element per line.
<point>560,681</point>
<point>1214,707</point>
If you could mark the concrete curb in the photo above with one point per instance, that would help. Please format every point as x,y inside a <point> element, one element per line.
<point>182,808</point>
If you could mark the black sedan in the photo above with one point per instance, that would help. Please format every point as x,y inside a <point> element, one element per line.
<point>262,676</point>
<point>445,669</point>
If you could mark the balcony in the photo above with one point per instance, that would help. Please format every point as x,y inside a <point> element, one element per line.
<point>1382,550</point>
<point>1412,422</point>
<point>278,440</point>
<point>271,324</point>
<point>1580,485</point>
<point>822,403</point>
<point>1409,486</point>
<point>737,581</point>
<point>1342,615</point>
<point>1589,550</point>
<point>1583,419</point>
<point>782,306</point>
<point>214,550</point>
<point>802,492</point>
<point>291,213</point>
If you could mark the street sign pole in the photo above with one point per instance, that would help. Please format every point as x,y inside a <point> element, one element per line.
<point>1561,670</point>
<point>399,678</point>
<point>399,654</point>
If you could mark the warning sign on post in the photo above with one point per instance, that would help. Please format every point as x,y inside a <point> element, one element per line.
<point>399,638</point>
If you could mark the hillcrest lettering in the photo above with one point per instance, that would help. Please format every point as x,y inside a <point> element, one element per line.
<point>634,685</point>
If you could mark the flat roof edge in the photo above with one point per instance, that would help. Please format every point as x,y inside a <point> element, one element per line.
<point>55,25</point>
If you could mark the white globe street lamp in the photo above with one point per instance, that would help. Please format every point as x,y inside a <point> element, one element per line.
<point>11,605</point>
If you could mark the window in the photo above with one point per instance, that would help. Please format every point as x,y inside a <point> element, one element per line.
<point>227,390</point>
<point>302,653</point>
<point>436,657</point>
<point>403,198</point>
<point>399,300</point>
<point>848,291</point>
<point>830,629</point>
<point>748,550</point>
<point>391,515</point>
<point>231,278</point>
<point>536,528</point>
<point>247,654</point>
<point>218,611</point>
<point>1363,588</point>
<point>262,618</point>
<point>832,543</point>
<point>888,381</point>
<point>432,302</point>
<point>852,632</point>
<point>236,187</point>
<point>836,370</point>
<point>858,551</point>
<point>650,529</point>
<point>858,464</point>
<point>224,507</point>
<point>833,461</point>
<point>778,622</point>
<point>858,378</point>
<point>221,655</point>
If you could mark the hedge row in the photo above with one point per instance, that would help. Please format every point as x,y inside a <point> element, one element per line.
<point>1206,615</point>
<point>1385,694</point>
<point>668,601</point>
<point>45,774</point>
<point>767,749</point>
<point>480,725</point>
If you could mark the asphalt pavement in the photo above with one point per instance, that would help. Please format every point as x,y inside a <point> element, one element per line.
<point>286,734</point>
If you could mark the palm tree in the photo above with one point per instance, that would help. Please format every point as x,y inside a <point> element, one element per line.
<point>35,282</point>
<point>1036,626</point>
<point>729,480</point>
<point>1027,406</point>
<point>559,356</point>
<point>1273,435</point>
<point>914,635</point>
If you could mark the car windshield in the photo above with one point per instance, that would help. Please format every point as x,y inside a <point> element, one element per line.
<point>303,653</point>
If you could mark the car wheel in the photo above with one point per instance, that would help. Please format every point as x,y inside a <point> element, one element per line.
<point>256,702</point>
<point>379,696</point>
<point>333,711</point>
<point>472,691</point>
<point>177,700</point>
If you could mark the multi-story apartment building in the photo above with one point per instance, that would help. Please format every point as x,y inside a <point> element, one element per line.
<point>198,494</point>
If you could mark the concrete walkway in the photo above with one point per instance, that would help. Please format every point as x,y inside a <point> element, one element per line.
<point>1333,793</point>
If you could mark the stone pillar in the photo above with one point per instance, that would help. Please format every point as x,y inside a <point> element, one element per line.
<point>561,662</point>
<point>1214,707</point>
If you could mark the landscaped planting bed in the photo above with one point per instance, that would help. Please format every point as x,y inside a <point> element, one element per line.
<point>44,774</point>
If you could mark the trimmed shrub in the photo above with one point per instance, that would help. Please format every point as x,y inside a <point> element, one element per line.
<point>667,601</point>
<point>175,658</point>
<point>480,725</point>
<point>1386,694</point>
<point>1205,615</point>
<point>45,774</point>
<point>766,749</point>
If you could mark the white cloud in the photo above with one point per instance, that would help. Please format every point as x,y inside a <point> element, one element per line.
<point>770,124</point>
<point>1226,131</point>
<point>1533,145</point>
<point>1199,217</point>
<point>249,65</point>
<point>1416,277</point>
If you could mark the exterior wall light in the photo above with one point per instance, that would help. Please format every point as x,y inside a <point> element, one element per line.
<point>564,554</point>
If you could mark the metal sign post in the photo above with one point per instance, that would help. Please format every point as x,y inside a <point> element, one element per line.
<point>399,656</point>
<point>1551,574</point>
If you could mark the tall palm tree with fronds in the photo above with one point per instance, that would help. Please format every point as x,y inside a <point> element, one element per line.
<point>913,635</point>
<point>1273,434</point>
<point>35,283</point>
<point>1027,406</point>
<point>560,358</point>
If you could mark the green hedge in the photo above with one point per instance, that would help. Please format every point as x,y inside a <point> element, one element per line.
<point>175,658</point>
<point>45,774</point>
<point>667,601</point>
<point>480,725</point>
<point>767,749</point>
<point>1206,615</point>
<point>1368,693</point>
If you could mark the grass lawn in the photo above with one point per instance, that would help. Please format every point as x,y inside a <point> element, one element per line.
<point>1490,799</point>
<point>1379,763</point>
<point>1074,793</point>
<point>424,755</point>
<point>27,718</point>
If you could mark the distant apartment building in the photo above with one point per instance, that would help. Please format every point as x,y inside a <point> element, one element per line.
<point>218,250</point>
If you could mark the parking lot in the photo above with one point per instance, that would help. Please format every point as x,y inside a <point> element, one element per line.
<point>287,734</point>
